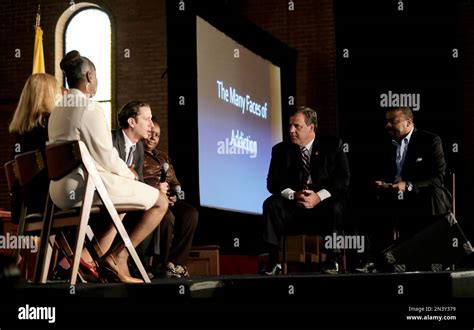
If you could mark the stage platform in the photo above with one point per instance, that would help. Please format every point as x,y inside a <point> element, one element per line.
<point>441,299</point>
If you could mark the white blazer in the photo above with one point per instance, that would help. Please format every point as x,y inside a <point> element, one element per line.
<point>79,118</point>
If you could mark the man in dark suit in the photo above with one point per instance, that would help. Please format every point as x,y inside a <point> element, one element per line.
<point>135,124</point>
<point>409,180</point>
<point>308,179</point>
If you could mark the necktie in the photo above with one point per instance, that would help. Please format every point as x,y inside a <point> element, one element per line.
<point>130,155</point>
<point>306,168</point>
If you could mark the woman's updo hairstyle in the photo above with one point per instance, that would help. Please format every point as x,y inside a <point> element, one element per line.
<point>75,67</point>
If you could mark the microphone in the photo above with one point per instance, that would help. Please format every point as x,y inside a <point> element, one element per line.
<point>176,191</point>
<point>164,172</point>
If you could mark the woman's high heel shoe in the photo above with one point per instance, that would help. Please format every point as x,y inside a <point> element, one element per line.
<point>110,275</point>
<point>90,269</point>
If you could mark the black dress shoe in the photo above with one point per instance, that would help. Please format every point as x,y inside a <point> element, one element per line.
<point>331,267</point>
<point>272,270</point>
<point>60,274</point>
<point>366,268</point>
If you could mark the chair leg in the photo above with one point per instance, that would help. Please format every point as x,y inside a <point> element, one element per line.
<point>94,246</point>
<point>83,225</point>
<point>47,259</point>
<point>64,245</point>
<point>21,231</point>
<point>44,240</point>
<point>284,256</point>
<point>344,261</point>
<point>116,219</point>
<point>104,196</point>
<point>67,251</point>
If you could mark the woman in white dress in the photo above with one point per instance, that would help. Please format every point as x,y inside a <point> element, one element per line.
<point>79,118</point>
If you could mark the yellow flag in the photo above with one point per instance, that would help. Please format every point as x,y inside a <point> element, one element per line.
<point>38,55</point>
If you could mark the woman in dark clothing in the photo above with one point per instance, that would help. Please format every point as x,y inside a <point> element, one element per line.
<point>30,127</point>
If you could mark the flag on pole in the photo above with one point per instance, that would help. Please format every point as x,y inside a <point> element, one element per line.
<point>38,54</point>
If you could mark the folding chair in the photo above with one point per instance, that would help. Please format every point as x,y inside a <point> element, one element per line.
<point>62,158</point>
<point>11,176</point>
<point>27,168</point>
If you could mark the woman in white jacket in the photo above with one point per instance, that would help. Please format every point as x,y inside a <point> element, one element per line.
<point>79,118</point>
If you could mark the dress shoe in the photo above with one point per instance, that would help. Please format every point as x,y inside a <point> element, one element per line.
<point>331,267</point>
<point>136,273</point>
<point>90,269</point>
<point>367,268</point>
<point>272,270</point>
<point>176,271</point>
<point>128,279</point>
<point>60,274</point>
<point>110,275</point>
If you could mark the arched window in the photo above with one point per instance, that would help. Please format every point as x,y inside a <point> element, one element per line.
<point>89,31</point>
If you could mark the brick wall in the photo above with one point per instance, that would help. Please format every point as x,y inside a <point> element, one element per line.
<point>310,29</point>
<point>139,26</point>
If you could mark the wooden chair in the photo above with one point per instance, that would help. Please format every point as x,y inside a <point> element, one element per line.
<point>62,158</point>
<point>302,244</point>
<point>11,176</point>
<point>305,249</point>
<point>452,188</point>
<point>27,167</point>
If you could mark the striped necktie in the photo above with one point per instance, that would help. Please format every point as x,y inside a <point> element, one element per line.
<point>306,168</point>
<point>130,155</point>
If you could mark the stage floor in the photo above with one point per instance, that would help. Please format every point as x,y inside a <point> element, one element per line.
<point>441,299</point>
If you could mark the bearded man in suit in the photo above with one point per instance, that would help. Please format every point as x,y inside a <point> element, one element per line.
<point>408,174</point>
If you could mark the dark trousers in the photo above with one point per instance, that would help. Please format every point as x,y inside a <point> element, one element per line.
<point>282,216</point>
<point>176,234</point>
<point>392,219</point>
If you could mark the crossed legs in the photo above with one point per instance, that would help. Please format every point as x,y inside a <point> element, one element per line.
<point>117,255</point>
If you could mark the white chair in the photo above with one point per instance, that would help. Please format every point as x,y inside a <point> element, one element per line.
<point>61,159</point>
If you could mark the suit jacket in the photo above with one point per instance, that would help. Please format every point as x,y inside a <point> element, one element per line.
<point>152,164</point>
<point>119,144</point>
<point>328,162</point>
<point>86,122</point>
<point>424,167</point>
